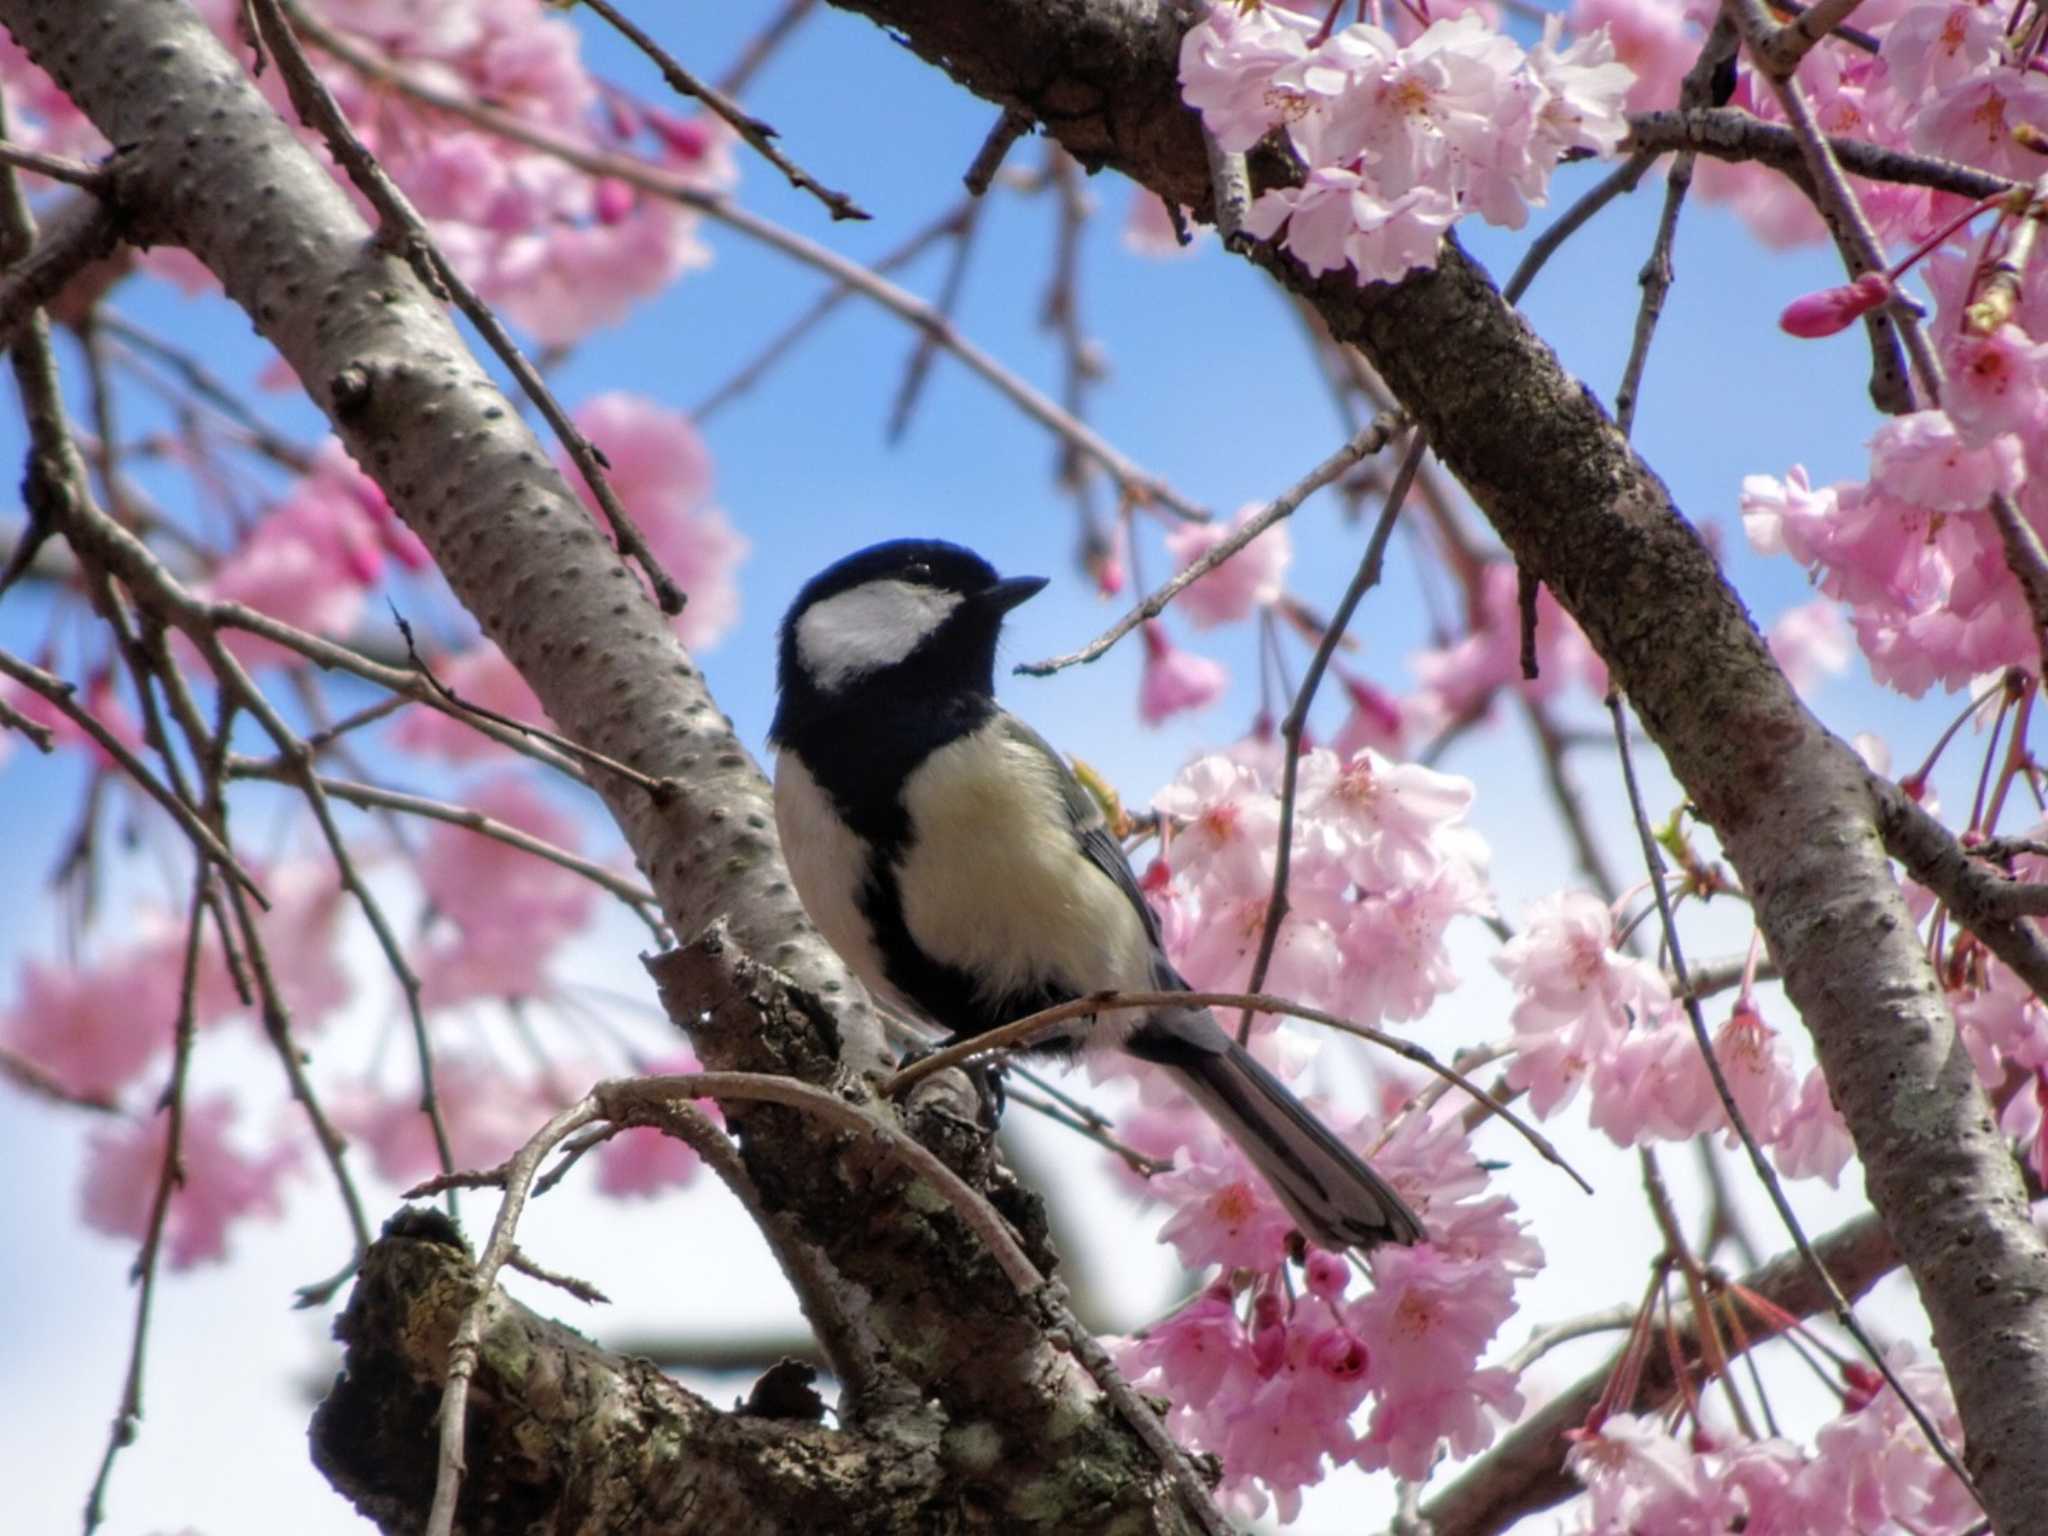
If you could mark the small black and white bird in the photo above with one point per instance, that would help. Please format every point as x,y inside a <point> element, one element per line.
<point>966,876</point>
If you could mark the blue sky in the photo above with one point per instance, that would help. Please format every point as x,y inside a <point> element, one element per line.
<point>1209,386</point>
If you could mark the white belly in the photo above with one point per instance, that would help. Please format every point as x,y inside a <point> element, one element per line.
<point>827,862</point>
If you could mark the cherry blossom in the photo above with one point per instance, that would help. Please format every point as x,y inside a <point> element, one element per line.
<point>220,1185</point>
<point>1175,680</point>
<point>1249,579</point>
<point>661,473</point>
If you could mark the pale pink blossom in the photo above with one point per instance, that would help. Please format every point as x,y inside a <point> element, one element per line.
<point>1938,45</point>
<point>1174,679</point>
<point>1225,824</point>
<point>1224,1212</point>
<point>645,1162</point>
<point>95,1028</point>
<point>1388,824</point>
<point>1584,88</point>
<point>507,911</point>
<point>1334,219</point>
<point>1786,516</point>
<point>1924,459</point>
<point>1996,384</point>
<point>1651,37</point>
<point>1811,642</point>
<point>1973,121</point>
<point>1228,65</point>
<point>1577,995</point>
<point>220,1186</point>
<point>1248,580</point>
<point>661,473</point>
<point>1377,719</point>
<point>1813,1139</point>
<point>1149,229</point>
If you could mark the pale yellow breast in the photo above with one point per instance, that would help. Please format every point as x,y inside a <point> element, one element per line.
<point>996,883</point>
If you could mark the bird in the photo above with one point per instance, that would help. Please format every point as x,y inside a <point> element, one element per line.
<point>967,877</point>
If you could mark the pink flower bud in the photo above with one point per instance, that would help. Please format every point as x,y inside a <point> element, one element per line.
<point>1832,309</point>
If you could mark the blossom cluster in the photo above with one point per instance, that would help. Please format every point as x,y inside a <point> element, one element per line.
<point>1274,1381</point>
<point>561,251</point>
<point>1397,139</point>
<point>1589,1016</point>
<point>1870,1469</point>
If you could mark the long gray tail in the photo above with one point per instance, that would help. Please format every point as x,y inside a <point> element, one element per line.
<point>1333,1195</point>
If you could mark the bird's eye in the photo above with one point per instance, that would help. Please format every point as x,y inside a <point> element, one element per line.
<point>917,570</point>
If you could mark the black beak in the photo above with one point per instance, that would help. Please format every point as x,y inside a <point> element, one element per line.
<point>1011,591</point>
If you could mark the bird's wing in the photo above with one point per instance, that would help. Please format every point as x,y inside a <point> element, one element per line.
<point>1091,831</point>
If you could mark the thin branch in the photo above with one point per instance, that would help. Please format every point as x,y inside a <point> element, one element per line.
<point>376,797</point>
<point>765,42</point>
<point>61,696</point>
<point>1655,278</point>
<point>1729,133</point>
<point>170,1177</point>
<point>1616,183</point>
<point>1296,723</point>
<point>83,231</point>
<point>2027,561</point>
<point>1134,483</point>
<point>403,230</point>
<point>1969,888</point>
<point>1044,1023</point>
<point>759,135</point>
<point>1369,440</point>
<point>1008,129</point>
<point>1781,50</point>
<point>1766,1175</point>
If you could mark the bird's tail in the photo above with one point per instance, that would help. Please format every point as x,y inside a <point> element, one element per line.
<point>1334,1196</point>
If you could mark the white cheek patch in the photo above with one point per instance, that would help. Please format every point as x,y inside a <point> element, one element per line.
<point>873,626</point>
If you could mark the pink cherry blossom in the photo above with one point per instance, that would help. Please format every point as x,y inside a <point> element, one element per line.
<point>1149,229</point>
<point>1224,1212</point>
<point>488,1114</point>
<point>220,1185</point>
<point>1813,1139</point>
<point>1175,680</point>
<point>1811,642</point>
<point>506,910</point>
<point>1389,824</point>
<point>1996,384</point>
<point>1577,994</point>
<point>1228,66</point>
<point>1651,37</point>
<point>1249,579</point>
<point>661,472</point>
<point>1937,45</point>
<point>95,1028</point>
<point>1972,122</point>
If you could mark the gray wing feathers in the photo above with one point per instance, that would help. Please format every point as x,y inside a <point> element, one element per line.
<point>1335,1198</point>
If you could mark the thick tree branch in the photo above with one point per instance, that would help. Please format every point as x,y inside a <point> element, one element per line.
<point>212,168</point>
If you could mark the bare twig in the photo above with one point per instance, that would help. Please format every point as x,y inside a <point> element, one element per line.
<point>170,1177</point>
<point>1366,442</point>
<point>1617,182</point>
<point>1766,1175</point>
<point>1780,51</point>
<point>61,696</point>
<point>1366,578</point>
<point>758,134</point>
<point>1044,1023</point>
<point>1133,482</point>
<point>765,42</point>
<point>2027,561</point>
<point>1008,129</point>
<point>81,232</point>
<point>402,228</point>
<point>1729,133</point>
<point>376,797</point>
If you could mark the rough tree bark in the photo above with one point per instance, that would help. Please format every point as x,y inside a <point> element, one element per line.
<point>960,1408</point>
